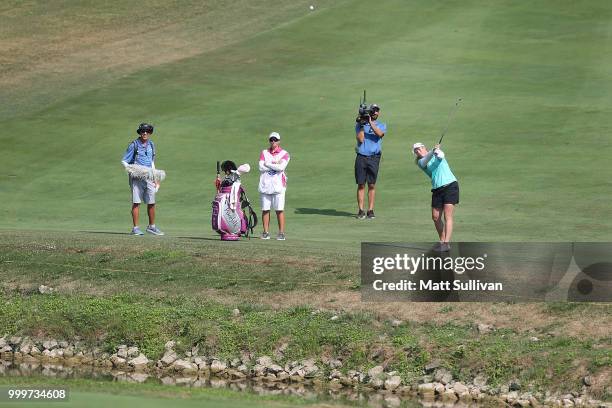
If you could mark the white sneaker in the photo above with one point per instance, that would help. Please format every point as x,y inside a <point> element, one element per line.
<point>137,231</point>
<point>152,229</point>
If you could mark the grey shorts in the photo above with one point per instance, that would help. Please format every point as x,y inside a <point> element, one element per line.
<point>142,191</point>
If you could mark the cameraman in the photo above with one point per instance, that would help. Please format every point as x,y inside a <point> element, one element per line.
<point>369,147</point>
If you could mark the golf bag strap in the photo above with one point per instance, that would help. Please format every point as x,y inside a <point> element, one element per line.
<point>135,143</point>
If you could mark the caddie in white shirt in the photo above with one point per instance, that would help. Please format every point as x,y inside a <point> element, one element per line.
<point>272,185</point>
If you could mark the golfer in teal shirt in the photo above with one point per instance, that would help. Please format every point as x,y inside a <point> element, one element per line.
<point>444,189</point>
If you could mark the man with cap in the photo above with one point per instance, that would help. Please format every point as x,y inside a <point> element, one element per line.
<point>272,185</point>
<point>369,149</point>
<point>141,151</point>
<point>444,189</point>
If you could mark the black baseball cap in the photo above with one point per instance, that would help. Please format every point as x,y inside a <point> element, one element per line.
<point>144,127</point>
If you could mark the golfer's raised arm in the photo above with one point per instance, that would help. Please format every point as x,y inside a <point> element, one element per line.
<point>422,162</point>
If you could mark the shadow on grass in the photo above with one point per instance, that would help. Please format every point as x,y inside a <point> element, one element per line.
<point>203,238</point>
<point>107,232</point>
<point>323,211</point>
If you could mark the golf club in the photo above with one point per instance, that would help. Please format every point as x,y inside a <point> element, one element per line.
<point>450,116</point>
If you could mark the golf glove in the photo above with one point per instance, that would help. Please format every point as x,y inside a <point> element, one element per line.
<point>439,153</point>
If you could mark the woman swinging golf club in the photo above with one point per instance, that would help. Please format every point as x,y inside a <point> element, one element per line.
<point>444,189</point>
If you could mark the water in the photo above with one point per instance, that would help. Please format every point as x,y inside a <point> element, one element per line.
<point>307,391</point>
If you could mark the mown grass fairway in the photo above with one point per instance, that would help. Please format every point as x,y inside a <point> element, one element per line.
<point>523,144</point>
<point>528,146</point>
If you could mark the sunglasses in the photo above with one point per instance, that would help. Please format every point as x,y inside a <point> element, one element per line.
<point>273,139</point>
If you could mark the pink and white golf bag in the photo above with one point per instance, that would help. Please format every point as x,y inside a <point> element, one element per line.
<point>229,210</point>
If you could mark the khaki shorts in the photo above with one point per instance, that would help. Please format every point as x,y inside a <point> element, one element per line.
<point>143,191</point>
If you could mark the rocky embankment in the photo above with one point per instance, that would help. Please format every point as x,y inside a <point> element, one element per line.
<point>435,385</point>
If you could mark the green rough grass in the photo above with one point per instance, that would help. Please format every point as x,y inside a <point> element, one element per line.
<point>187,265</point>
<point>552,363</point>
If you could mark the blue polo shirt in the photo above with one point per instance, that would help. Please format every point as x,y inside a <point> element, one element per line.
<point>145,153</point>
<point>438,170</point>
<point>372,144</point>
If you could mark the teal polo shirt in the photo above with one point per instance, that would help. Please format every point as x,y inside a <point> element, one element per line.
<point>438,170</point>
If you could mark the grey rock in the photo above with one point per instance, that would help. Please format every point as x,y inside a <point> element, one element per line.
<point>480,380</point>
<point>26,347</point>
<point>169,357</point>
<point>45,290</point>
<point>6,349</point>
<point>430,368</point>
<point>201,363</point>
<point>396,323</point>
<point>133,352</point>
<point>335,374</point>
<point>393,382</point>
<point>512,396</point>
<point>50,344</point>
<point>426,391</point>
<point>443,376</point>
<point>115,359</point>
<point>377,383</point>
<point>334,318</point>
<point>184,366</point>
<point>426,379</point>
<point>63,344</point>
<point>260,370</point>
<point>217,366</point>
<point>485,328</point>
<point>460,388</point>
<point>265,361</point>
<point>334,363</point>
<point>236,312</point>
<point>14,341</point>
<point>170,345</point>
<point>140,362</point>
<point>449,396</point>
<point>122,352</point>
<point>3,342</point>
<point>274,368</point>
<point>375,372</point>
<point>587,381</point>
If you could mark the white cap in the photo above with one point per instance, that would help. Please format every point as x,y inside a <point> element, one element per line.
<point>274,134</point>
<point>416,146</point>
